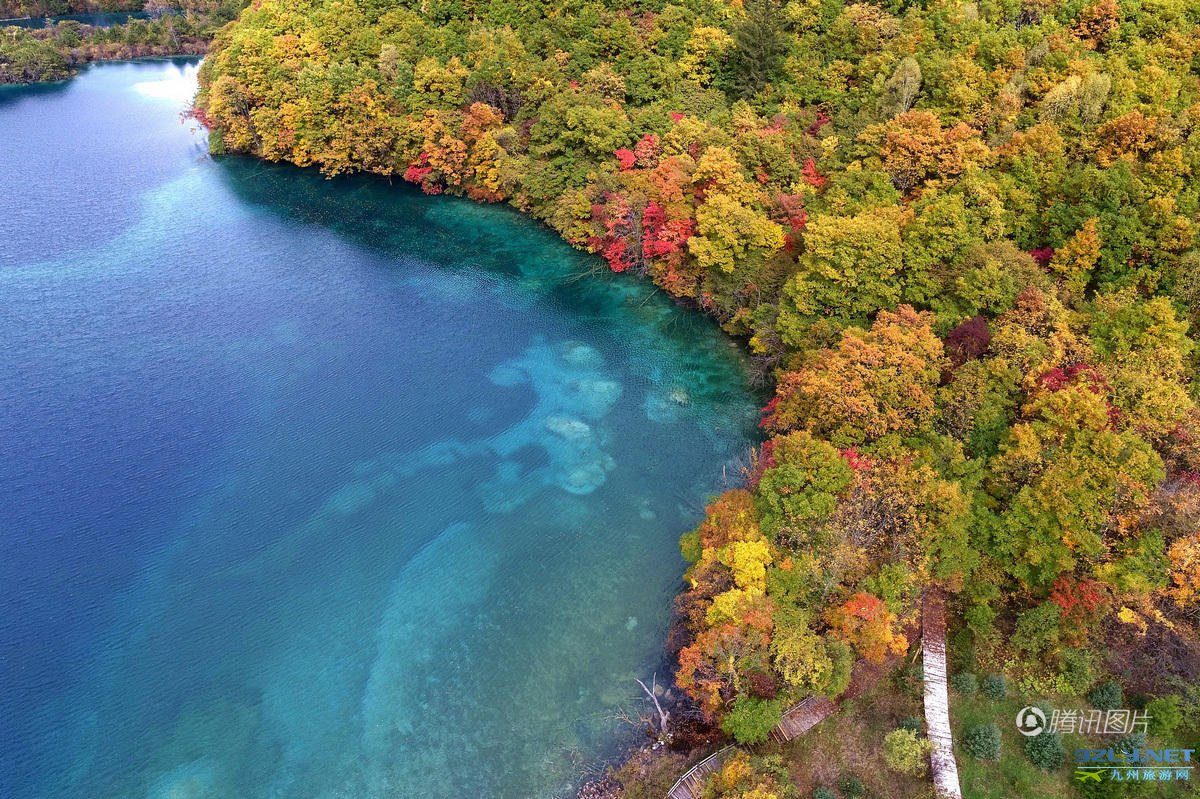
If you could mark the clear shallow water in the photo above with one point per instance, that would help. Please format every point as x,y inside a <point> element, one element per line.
<point>320,488</point>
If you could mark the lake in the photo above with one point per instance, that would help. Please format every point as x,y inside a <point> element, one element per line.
<point>104,19</point>
<point>319,488</point>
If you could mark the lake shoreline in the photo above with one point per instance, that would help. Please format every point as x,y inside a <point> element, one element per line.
<point>31,54</point>
<point>449,504</point>
<point>634,749</point>
<point>638,754</point>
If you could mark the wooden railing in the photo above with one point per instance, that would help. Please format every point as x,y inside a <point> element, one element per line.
<point>691,783</point>
<point>802,717</point>
<point>798,719</point>
<point>811,711</point>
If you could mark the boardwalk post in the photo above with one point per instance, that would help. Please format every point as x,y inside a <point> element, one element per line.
<point>937,700</point>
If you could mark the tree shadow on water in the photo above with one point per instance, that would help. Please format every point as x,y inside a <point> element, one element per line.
<point>15,93</point>
<point>393,218</point>
<point>396,220</point>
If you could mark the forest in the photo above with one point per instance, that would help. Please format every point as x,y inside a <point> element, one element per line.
<point>13,9</point>
<point>958,238</point>
<point>32,55</point>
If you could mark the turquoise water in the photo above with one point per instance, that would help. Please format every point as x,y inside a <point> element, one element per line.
<point>321,488</point>
<point>103,19</point>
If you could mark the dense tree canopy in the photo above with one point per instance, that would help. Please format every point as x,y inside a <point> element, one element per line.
<point>171,27</point>
<point>960,238</point>
<point>13,9</point>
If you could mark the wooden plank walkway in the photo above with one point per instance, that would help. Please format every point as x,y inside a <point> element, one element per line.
<point>812,710</point>
<point>801,718</point>
<point>937,700</point>
<point>797,720</point>
<point>691,784</point>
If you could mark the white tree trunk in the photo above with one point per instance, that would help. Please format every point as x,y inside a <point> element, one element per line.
<point>664,718</point>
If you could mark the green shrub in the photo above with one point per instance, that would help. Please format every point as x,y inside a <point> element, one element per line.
<point>842,657</point>
<point>914,723</point>
<point>851,786</point>
<point>751,719</point>
<point>690,547</point>
<point>980,618</point>
<point>1189,704</point>
<point>1037,630</point>
<point>983,741</point>
<point>962,647</point>
<point>906,752</point>
<point>1128,744</point>
<point>995,687</point>
<point>1106,696</point>
<point>773,766</point>
<point>965,684</point>
<point>1077,671</point>
<point>1046,750</point>
<point>909,681</point>
<point>1165,716</point>
<point>824,793</point>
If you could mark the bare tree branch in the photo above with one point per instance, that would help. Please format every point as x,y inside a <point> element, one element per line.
<point>664,718</point>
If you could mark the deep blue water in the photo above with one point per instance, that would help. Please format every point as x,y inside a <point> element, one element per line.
<point>320,488</point>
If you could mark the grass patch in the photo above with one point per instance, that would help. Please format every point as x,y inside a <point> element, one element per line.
<point>850,742</point>
<point>1014,777</point>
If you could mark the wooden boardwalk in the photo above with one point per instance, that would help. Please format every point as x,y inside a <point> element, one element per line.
<point>811,711</point>
<point>799,719</point>
<point>691,784</point>
<point>937,700</point>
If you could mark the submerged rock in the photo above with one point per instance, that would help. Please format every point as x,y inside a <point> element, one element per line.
<point>507,374</point>
<point>189,781</point>
<point>588,477</point>
<point>579,354</point>
<point>351,498</point>
<point>596,397</point>
<point>660,408</point>
<point>570,429</point>
<point>570,388</point>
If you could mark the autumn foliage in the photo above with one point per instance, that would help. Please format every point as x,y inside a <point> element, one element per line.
<point>961,248</point>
